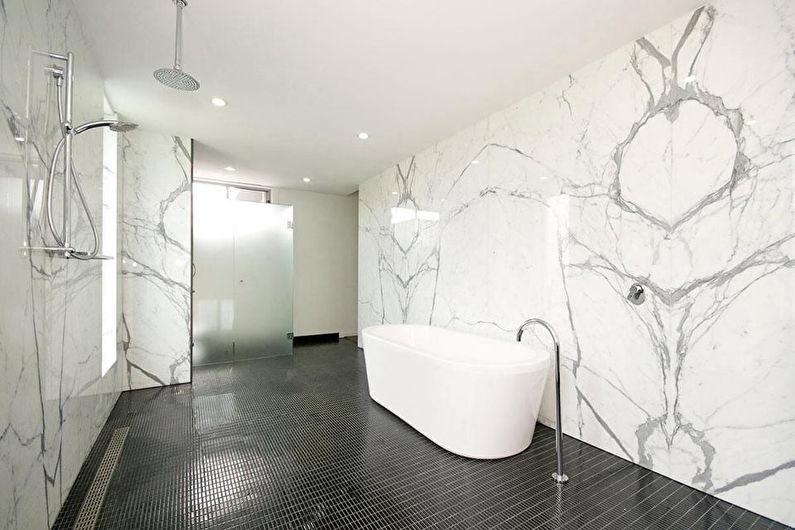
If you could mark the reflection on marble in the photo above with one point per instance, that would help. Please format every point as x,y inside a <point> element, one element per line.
<point>670,163</point>
<point>156,239</point>
<point>53,398</point>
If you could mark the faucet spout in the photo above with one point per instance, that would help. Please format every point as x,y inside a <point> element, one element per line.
<point>559,476</point>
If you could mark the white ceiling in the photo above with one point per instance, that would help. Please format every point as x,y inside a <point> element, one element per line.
<point>304,77</point>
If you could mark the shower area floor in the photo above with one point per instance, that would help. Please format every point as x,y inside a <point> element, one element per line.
<point>296,442</point>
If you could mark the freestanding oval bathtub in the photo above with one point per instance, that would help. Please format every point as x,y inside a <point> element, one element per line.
<point>474,396</point>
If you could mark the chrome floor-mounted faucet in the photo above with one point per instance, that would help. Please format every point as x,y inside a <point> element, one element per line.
<point>559,476</point>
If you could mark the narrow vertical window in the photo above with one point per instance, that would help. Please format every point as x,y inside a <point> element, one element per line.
<point>109,227</point>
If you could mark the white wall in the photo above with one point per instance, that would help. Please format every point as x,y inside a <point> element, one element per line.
<point>326,249</point>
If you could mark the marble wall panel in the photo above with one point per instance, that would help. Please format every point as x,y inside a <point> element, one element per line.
<point>156,259</point>
<point>668,162</point>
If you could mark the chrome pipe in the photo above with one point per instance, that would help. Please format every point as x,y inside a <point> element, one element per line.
<point>559,476</point>
<point>178,36</point>
<point>67,132</point>
<point>48,194</point>
<point>51,55</point>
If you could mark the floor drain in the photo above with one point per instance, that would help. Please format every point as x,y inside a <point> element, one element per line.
<point>89,510</point>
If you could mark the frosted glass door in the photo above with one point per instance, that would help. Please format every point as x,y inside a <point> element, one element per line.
<point>213,275</point>
<point>243,277</point>
<point>263,291</point>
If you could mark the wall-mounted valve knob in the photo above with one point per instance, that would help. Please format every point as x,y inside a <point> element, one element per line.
<point>637,294</point>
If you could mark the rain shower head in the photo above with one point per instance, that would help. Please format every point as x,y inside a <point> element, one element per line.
<point>175,77</point>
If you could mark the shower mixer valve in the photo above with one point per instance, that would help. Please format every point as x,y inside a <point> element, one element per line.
<point>637,294</point>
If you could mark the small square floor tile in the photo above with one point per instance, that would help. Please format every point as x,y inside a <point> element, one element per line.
<point>296,442</point>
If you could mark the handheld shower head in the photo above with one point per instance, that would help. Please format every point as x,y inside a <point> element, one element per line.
<point>175,77</point>
<point>113,125</point>
<point>123,126</point>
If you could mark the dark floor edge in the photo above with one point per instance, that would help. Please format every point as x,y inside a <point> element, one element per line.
<point>319,338</point>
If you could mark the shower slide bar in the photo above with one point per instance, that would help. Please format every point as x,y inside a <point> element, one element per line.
<point>64,78</point>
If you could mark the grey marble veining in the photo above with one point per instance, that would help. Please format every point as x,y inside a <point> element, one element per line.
<point>54,398</point>
<point>669,163</point>
<point>156,258</point>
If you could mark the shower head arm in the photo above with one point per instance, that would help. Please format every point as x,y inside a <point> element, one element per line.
<point>92,125</point>
<point>178,37</point>
<point>112,124</point>
<point>51,55</point>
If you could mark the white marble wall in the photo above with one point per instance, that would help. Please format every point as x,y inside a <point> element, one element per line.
<point>156,243</point>
<point>54,398</point>
<point>669,162</point>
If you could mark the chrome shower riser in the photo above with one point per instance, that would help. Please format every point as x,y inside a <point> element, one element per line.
<point>64,248</point>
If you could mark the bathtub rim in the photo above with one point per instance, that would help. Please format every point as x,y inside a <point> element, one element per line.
<point>539,360</point>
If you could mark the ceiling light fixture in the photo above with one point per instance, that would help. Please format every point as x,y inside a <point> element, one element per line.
<point>475,162</point>
<point>218,102</point>
<point>230,168</point>
<point>363,135</point>
<point>307,179</point>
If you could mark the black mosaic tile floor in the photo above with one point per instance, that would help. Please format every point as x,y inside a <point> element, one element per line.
<point>296,442</point>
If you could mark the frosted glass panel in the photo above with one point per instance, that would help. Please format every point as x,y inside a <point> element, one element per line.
<point>263,280</point>
<point>213,280</point>
<point>243,277</point>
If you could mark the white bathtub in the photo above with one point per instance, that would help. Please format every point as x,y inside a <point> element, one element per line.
<point>474,396</point>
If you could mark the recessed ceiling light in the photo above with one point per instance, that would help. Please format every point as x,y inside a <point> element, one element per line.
<point>218,102</point>
<point>230,168</point>
<point>394,193</point>
<point>19,139</point>
<point>363,135</point>
<point>307,179</point>
<point>475,162</point>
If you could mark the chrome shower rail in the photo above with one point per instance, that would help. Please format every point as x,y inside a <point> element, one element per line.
<point>64,77</point>
<point>559,476</point>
